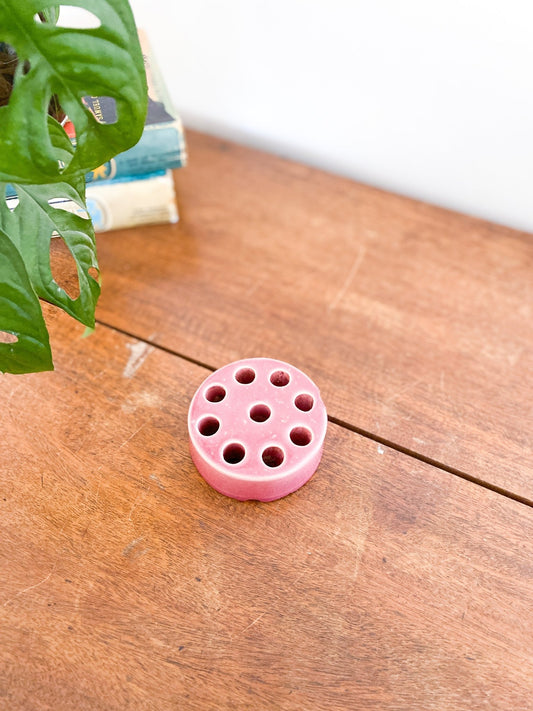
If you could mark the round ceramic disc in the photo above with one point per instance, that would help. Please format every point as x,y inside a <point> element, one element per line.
<point>256,429</point>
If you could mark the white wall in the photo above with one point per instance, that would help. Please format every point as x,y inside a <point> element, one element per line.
<point>428,98</point>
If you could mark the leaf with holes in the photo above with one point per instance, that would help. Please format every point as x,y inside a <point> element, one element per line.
<point>21,319</point>
<point>69,63</point>
<point>36,209</point>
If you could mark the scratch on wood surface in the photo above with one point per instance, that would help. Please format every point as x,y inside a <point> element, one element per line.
<point>139,353</point>
<point>305,570</point>
<point>135,504</point>
<point>257,282</point>
<point>133,434</point>
<point>159,484</point>
<point>513,357</point>
<point>99,472</point>
<point>364,518</point>
<point>401,391</point>
<point>347,282</point>
<point>79,590</point>
<point>254,622</point>
<point>8,402</point>
<point>140,400</point>
<point>31,587</point>
<point>128,549</point>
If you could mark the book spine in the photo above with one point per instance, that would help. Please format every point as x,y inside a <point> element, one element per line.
<point>162,144</point>
<point>129,203</point>
<point>162,147</point>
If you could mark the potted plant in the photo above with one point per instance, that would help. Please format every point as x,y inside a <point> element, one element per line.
<point>46,70</point>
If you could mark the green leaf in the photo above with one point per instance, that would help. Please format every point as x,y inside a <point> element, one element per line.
<point>62,145</point>
<point>71,64</point>
<point>31,227</point>
<point>20,315</point>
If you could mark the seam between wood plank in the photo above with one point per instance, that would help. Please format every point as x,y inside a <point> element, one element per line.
<point>429,460</point>
<point>353,428</point>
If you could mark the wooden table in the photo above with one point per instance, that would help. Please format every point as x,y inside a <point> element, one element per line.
<point>399,577</point>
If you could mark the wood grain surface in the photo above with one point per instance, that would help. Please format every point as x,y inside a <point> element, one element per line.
<point>127,583</point>
<point>416,321</point>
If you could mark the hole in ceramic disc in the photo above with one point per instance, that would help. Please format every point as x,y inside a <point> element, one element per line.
<point>280,378</point>
<point>301,436</point>
<point>208,426</point>
<point>234,453</point>
<point>245,376</point>
<point>260,413</point>
<point>273,456</point>
<point>215,393</point>
<point>304,402</point>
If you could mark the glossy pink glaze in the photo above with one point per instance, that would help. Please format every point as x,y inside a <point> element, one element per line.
<point>256,429</point>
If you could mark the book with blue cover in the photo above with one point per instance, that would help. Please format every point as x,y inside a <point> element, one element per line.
<point>162,144</point>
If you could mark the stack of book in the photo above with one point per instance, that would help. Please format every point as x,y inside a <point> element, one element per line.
<point>137,187</point>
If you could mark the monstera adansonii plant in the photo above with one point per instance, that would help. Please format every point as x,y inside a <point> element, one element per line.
<point>46,70</point>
